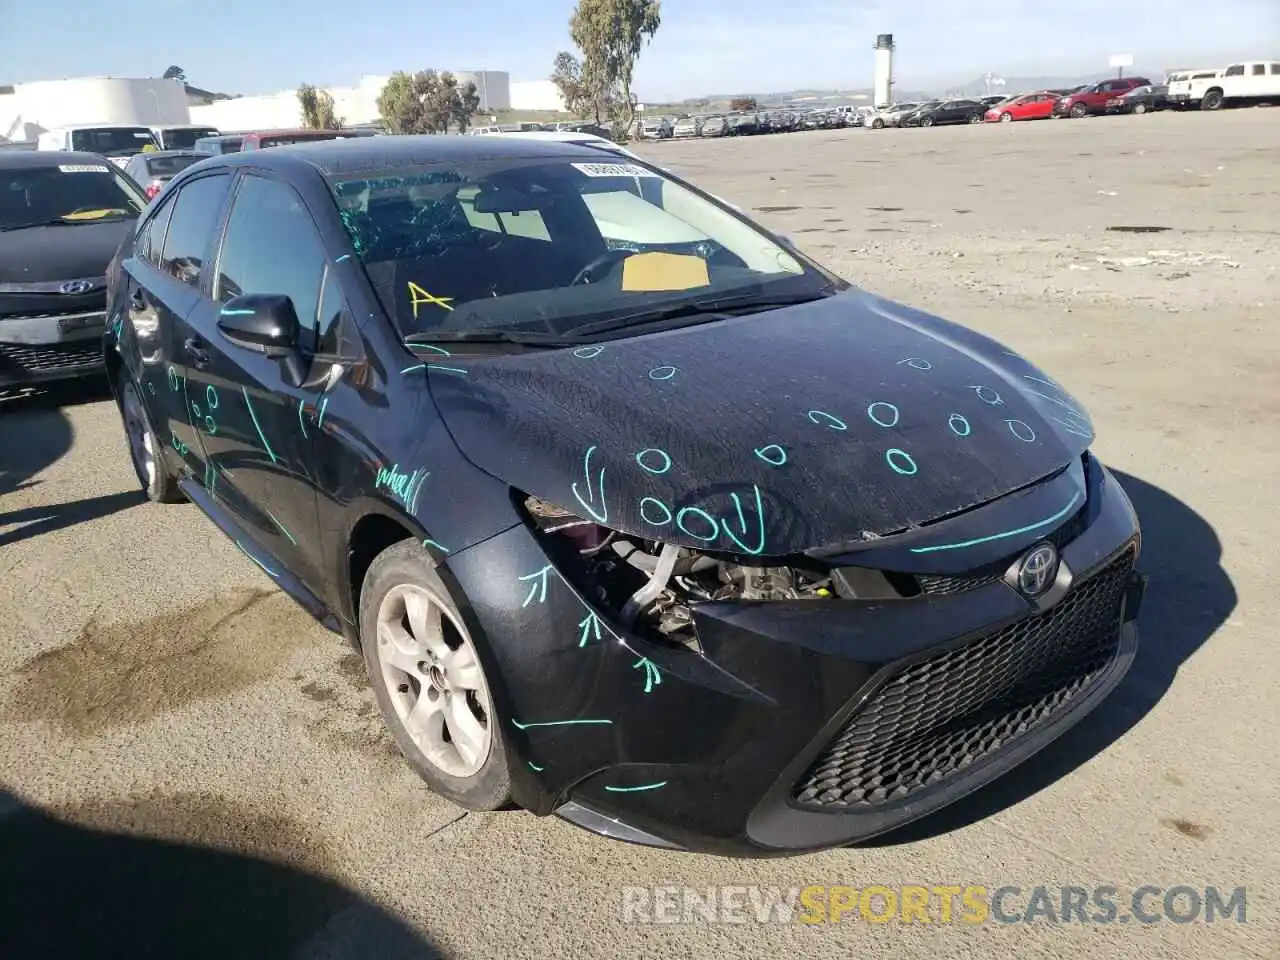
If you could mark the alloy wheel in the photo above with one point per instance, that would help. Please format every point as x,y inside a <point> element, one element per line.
<point>141,445</point>
<point>434,680</point>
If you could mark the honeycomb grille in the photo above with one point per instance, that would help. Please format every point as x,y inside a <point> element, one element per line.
<point>935,717</point>
<point>59,356</point>
<point>936,586</point>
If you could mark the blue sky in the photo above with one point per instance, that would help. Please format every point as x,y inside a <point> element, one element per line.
<point>704,46</point>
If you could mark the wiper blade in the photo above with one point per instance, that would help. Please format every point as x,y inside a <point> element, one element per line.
<point>525,338</point>
<point>697,311</point>
<point>56,222</point>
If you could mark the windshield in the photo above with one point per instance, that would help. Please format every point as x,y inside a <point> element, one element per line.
<point>67,193</point>
<point>547,245</point>
<point>113,141</point>
<point>184,138</point>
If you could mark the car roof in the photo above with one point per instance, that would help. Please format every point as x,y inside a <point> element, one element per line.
<point>154,154</point>
<point>360,154</point>
<point>98,126</point>
<point>34,159</point>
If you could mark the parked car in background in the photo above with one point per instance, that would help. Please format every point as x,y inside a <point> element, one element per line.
<point>891,116</point>
<point>151,171</point>
<point>686,127</point>
<point>1140,100</point>
<point>181,136</point>
<point>945,112</point>
<point>1187,87</point>
<point>655,128</point>
<point>715,126</point>
<point>63,215</point>
<point>115,141</point>
<point>428,387</point>
<point>1092,100</point>
<point>264,139</point>
<point>1029,106</point>
<point>992,100</point>
<point>1241,84</point>
<point>219,145</point>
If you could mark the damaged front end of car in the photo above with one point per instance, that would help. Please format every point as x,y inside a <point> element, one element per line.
<point>765,706</point>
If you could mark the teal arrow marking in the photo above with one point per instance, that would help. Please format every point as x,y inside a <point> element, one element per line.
<point>589,624</point>
<point>538,586</point>
<point>652,675</point>
<point>599,512</point>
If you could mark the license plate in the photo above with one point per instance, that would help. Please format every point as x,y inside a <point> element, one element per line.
<point>74,324</point>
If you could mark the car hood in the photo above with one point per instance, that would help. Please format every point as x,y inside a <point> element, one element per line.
<point>69,251</point>
<point>814,426</point>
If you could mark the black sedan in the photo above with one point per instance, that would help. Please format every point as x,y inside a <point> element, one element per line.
<point>1140,100</point>
<point>637,515</point>
<point>62,217</point>
<point>937,114</point>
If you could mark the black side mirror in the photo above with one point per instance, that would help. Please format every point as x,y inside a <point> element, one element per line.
<point>263,322</point>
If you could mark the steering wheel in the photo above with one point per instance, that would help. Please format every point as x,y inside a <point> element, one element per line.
<point>609,258</point>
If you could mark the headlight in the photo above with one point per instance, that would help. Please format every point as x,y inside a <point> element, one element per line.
<point>651,587</point>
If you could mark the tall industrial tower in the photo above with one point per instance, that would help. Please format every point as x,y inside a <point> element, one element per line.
<point>883,89</point>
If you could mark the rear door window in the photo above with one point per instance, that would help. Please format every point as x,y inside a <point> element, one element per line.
<point>150,241</point>
<point>196,213</point>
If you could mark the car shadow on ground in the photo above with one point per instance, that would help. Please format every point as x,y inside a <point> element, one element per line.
<point>34,430</point>
<point>1189,597</point>
<point>72,891</point>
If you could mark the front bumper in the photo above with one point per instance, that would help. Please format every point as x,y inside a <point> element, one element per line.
<point>801,725</point>
<point>36,348</point>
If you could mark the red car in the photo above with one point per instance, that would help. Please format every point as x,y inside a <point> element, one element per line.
<point>1029,106</point>
<point>1094,99</point>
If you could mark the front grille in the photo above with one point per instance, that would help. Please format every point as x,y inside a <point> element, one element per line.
<point>940,585</point>
<point>56,356</point>
<point>935,717</point>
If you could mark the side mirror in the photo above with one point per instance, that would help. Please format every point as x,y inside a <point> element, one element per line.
<point>263,322</point>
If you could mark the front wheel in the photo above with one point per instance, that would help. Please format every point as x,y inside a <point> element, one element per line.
<point>1006,118</point>
<point>926,122</point>
<point>1139,108</point>
<point>1212,100</point>
<point>877,124</point>
<point>1079,110</point>
<point>975,118</point>
<point>158,481</point>
<point>429,681</point>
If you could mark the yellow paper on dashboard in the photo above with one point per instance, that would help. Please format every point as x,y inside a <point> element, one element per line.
<point>650,272</point>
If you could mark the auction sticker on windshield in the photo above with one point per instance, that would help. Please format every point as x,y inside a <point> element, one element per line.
<point>82,168</point>
<point>612,170</point>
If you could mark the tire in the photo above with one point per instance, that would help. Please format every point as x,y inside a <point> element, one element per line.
<point>1079,110</point>
<point>157,479</point>
<point>1006,117</point>
<point>441,664</point>
<point>975,118</point>
<point>926,121</point>
<point>1212,100</point>
<point>1139,108</point>
<point>877,124</point>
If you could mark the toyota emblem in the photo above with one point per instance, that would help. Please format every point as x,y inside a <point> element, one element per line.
<point>1038,570</point>
<point>75,287</point>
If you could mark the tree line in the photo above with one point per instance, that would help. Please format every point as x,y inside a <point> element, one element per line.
<point>427,101</point>
<point>595,82</point>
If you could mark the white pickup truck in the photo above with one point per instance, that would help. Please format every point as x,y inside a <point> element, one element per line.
<point>1187,87</point>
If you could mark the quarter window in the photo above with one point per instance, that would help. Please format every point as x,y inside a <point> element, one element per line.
<point>195,216</point>
<point>150,241</point>
<point>272,247</point>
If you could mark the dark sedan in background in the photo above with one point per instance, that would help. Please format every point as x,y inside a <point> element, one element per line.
<point>940,113</point>
<point>1140,100</point>
<point>62,218</point>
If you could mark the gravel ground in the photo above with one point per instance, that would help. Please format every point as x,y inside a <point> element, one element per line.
<point>193,767</point>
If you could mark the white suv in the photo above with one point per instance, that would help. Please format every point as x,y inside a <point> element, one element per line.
<point>1253,81</point>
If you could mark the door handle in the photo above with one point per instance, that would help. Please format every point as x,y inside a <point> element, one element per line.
<point>196,351</point>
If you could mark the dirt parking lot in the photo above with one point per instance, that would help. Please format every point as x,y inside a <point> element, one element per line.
<point>153,683</point>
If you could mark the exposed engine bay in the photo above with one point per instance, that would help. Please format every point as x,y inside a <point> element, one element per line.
<point>651,586</point>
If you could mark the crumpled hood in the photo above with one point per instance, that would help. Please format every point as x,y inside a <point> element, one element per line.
<point>827,423</point>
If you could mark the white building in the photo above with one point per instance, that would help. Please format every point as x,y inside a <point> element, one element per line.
<point>536,95</point>
<point>35,107</point>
